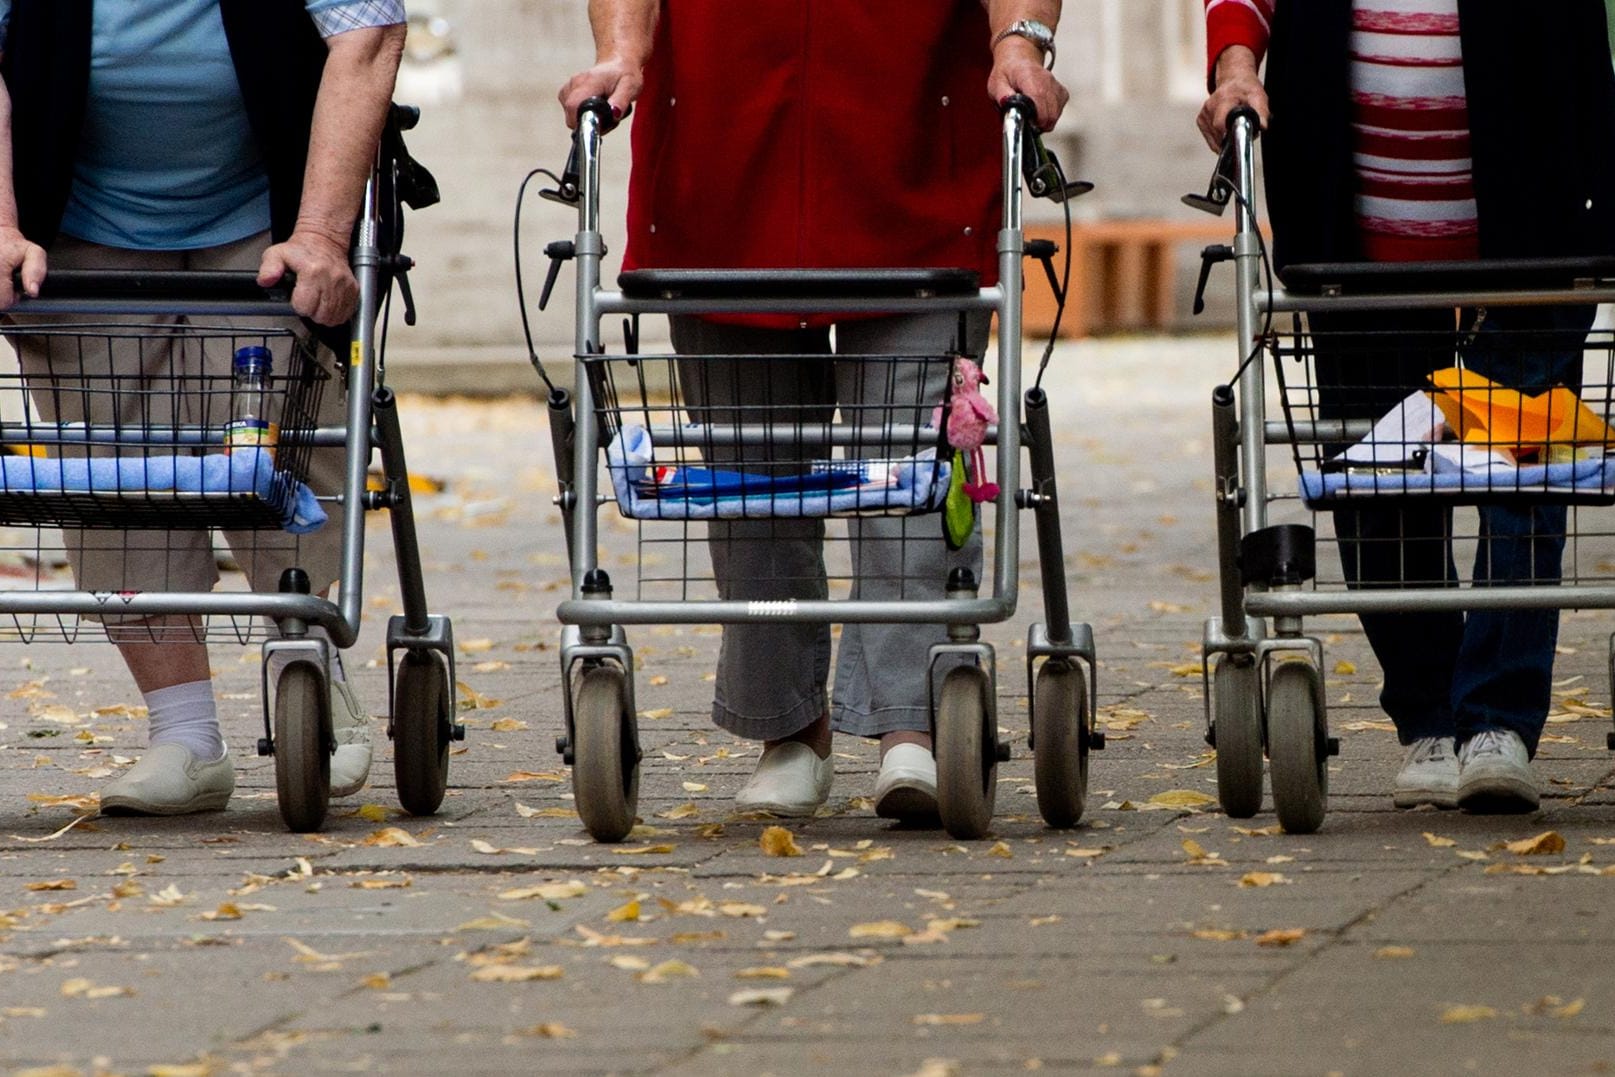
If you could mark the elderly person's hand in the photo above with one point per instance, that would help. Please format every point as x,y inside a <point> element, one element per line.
<point>617,80</point>
<point>1238,84</point>
<point>1018,69</point>
<point>16,252</point>
<point>326,291</point>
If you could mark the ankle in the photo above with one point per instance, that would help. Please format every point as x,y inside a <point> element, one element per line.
<point>815,736</point>
<point>888,741</point>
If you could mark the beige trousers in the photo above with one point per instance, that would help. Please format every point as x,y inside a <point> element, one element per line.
<point>151,376</point>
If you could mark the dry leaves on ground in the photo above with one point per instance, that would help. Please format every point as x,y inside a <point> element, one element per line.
<point>778,841</point>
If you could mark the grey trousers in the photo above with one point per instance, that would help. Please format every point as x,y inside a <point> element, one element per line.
<point>771,679</point>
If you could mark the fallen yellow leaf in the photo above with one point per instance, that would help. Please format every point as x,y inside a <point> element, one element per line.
<point>546,891</point>
<point>1262,878</point>
<point>624,913</point>
<point>52,884</point>
<point>762,996</point>
<point>1547,842</point>
<point>1393,952</point>
<point>1281,936</point>
<point>949,1018</point>
<point>668,970</point>
<point>1214,934</point>
<point>880,929</point>
<point>391,837</point>
<point>1463,1015</point>
<point>515,974</point>
<point>778,841</point>
<point>683,811</point>
<point>1182,799</point>
<point>763,972</point>
<point>642,850</point>
<point>1438,841</point>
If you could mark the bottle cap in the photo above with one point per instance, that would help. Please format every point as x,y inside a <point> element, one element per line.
<point>254,359</point>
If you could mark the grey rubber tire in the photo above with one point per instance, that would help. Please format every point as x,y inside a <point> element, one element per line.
<point>302,753</point>
<point>1296,747</point>
<point>605,752</point>
<point>1237,717</point>
<point>1060,742</point>
<point>423,730</point>
<point>966,754</point>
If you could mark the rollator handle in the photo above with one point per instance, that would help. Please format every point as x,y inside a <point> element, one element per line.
<point>1039,165</point>
<point>179,285</point>
<point>568,193</point>
<point>1221,189</point>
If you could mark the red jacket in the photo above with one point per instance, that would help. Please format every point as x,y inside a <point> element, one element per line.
<point>816,133</point>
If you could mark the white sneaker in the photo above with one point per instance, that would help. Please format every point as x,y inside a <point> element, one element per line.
<point>790,779</point>
<point>169,780</point>
<point>1429,775</point>
<point>350,727</point>
<point>906,786</point>
<point>1494,774</point>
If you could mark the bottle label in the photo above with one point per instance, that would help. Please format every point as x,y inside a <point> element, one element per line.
<point>246,433</point>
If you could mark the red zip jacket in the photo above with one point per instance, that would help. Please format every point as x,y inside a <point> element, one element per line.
<point>816,134</point>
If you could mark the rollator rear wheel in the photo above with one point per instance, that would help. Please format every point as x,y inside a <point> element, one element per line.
<point>1237,729</point>
<point>423,729</point>
<point>302,752</point>
<point>1297,747</point>
<point>605,747</point>
<point>966,754</point>
<point>1060,742</point>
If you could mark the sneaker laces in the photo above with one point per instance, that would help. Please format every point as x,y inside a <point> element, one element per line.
<point>1429,750</point>
<point>1486,742</point>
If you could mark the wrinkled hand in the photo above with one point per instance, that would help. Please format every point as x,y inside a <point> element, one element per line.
<point>326,291</point>
<point>618,81</point>
<point>1018,69</point>
<point>1238,84</point>
<point>16,252</point>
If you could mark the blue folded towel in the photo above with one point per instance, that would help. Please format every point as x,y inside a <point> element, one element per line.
<point>245,471</point>
<point>1581,476</point>
<point>834,487</point>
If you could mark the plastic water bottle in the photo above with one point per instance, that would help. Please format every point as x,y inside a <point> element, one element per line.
<point>249,390</point>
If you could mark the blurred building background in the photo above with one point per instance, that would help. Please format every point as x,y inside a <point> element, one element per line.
<point>486,72</point>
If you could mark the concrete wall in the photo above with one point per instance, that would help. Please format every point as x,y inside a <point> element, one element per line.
<point>497,118</point>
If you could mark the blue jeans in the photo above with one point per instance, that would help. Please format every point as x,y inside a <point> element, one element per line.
<point>1451,674</point>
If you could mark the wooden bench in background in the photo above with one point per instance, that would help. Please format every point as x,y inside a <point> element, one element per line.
<point>1123,274</point>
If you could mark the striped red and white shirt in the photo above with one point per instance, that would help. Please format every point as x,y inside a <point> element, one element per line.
<point>1410,121</point>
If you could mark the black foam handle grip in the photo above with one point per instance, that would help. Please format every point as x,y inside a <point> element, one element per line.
<point>178,285</point>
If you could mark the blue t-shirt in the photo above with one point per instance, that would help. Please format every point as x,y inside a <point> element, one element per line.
<point>167,160</point>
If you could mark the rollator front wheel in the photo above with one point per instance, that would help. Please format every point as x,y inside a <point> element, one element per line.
<point>1237,730</point>
<point>966,754</point>
<point>605,747</point>
<point>302,746</point>
<point>1297,747</point>
<point>1060,742</point>
<point>423,729</point>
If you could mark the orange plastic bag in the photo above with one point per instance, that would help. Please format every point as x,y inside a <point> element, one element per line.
<point>1480,411</point>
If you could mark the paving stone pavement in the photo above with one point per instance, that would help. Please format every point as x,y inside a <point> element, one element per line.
<point>1388,943</point>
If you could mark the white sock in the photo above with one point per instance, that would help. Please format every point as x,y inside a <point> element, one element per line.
<point>279,660</point>
<point>186,714</point>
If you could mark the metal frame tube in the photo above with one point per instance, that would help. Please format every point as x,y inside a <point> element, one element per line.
<point>600,612</point>
<point>590,248</point>
<point>1285,302</point>
<point>1252,386</point>
<point>1309,603</point>
<point>1011,251</point>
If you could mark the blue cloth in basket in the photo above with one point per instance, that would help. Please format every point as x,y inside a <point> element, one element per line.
<point>244,471</point>
<point>836,487</point>
<point>1581,476</point>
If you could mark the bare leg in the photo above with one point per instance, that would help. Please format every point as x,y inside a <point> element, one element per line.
<point>164,651</point>
<point>904,736</point>
<point>815,736</point>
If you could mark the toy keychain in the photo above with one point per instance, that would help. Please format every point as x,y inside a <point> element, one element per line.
<point>969,414</point>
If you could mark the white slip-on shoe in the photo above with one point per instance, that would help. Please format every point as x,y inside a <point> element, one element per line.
<point>1494,775</point>
<point>790,779</point>
<point>906,786</point>
<point>350,727</point>
<point>1429,775</point>
<point>169,780</point>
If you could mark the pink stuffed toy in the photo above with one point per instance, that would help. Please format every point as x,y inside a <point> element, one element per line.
<point>969,415</point>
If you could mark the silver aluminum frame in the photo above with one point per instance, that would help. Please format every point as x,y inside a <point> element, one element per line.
<point>593,303</point>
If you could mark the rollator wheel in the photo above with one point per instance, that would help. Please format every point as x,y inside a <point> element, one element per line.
<point>1237,726</point>
<point>423,729</point>
<point>1297,747</point>
<point>302,752</point>
<point>1060,742</point>
<point>605,748</point>
<point>966,754</point>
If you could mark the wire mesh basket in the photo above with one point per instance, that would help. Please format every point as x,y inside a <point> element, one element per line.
<point>758,437</point>
<point>1428,405</point>
<point>125,427</point>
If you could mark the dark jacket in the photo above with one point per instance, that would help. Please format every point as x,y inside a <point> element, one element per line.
<point>279,58</point>
<point>1542,125</point>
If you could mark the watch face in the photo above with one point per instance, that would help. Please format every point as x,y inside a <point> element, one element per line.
<point>1037,32</point>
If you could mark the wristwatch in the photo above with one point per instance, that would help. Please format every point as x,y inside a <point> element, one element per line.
<point>1033,31</point>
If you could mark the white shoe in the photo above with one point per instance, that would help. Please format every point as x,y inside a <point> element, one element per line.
<point>350,727</point>
<point>1494,774</point>
<point>1429,775</point>
<point>790,779</point>
<point>906,786</point>
<point>169,780</point>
